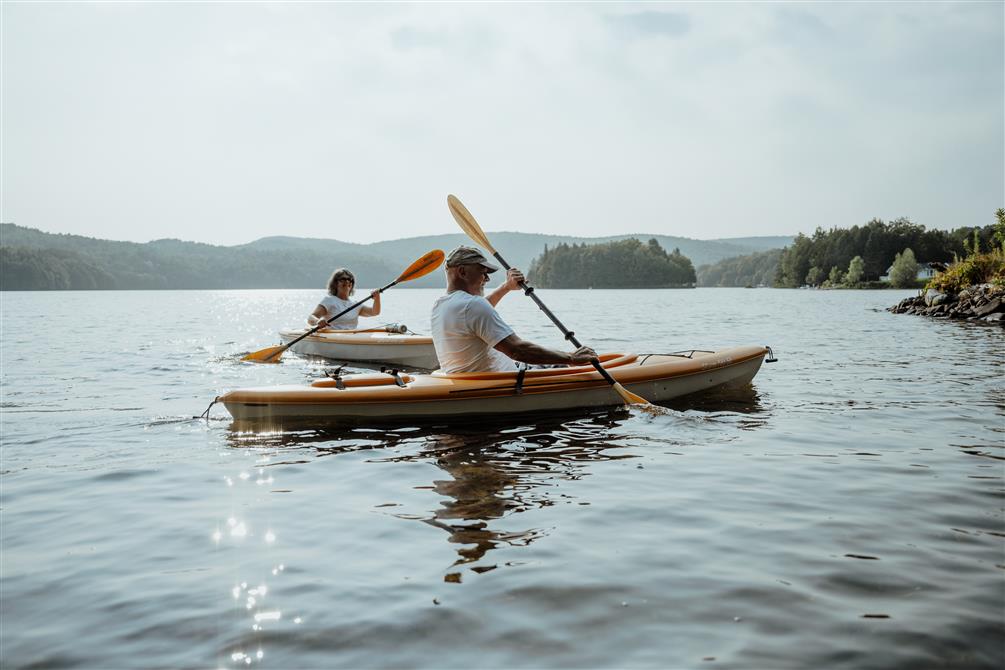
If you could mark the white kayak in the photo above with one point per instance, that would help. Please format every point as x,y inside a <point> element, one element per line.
<point>391,346</point>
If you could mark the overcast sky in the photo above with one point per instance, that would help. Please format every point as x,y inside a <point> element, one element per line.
<point>225,122</point>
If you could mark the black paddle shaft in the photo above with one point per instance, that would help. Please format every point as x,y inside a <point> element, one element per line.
<point>344,311</point>
<point>569,335</point>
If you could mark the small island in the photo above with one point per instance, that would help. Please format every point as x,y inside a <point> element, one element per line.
<point>621,264</point>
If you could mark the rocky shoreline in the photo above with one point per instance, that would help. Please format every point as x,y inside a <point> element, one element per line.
<point>983,302</point>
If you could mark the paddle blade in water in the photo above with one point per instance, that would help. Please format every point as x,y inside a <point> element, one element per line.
<point>639,403</point>
<point>422,267</point>
<point>629,397</point>
<point>270,355</point>
<point>468,223</point>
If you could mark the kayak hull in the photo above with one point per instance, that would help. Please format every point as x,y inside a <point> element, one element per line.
<point>373,398</point>
<point>391,349</point>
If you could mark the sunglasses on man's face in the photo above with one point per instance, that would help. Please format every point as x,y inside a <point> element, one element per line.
<point>480,269</point>
<point>345,280</point>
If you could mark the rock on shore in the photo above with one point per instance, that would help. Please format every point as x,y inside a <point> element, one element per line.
<point>983,302</point>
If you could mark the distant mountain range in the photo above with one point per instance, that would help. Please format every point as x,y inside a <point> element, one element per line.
<point>34,260</point>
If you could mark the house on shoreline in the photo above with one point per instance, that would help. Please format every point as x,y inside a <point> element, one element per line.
<point>925,272</point>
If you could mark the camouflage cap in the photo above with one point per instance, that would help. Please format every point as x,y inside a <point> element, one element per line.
<point>469,256</point>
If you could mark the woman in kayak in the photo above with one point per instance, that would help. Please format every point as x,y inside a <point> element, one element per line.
<point>342,285</point>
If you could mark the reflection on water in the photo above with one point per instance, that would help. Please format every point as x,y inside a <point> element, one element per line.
<point>252,590</point>
<point>742,400</point>
<point>494,472</point>
<point>499,469</point>
<point>502,473</point>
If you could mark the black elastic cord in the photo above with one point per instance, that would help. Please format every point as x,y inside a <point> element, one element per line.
<point>205,415</point>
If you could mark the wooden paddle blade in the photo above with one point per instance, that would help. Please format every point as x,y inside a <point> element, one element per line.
<point>468,223</point>
<point>422,267</point>
<point>629,397</point>
<point>270,355</point>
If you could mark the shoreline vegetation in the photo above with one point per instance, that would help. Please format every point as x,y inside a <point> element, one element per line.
<point>971,288</point>
<point>899,254</point>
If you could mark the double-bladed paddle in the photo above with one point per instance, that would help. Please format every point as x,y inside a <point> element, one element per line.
<point>474,231</point>
<point>419,268</point>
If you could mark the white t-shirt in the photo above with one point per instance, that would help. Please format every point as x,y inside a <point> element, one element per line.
<point>465,329</point>
<point>334,305</point>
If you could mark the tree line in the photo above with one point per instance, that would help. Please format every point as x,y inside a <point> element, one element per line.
<point>620,264</point>
<point>825,255</point>
<point>849,257</point>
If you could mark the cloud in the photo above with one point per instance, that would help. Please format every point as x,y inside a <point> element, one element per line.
<point>224,122</point>
<point>646,24</point>
<point>408,38</point>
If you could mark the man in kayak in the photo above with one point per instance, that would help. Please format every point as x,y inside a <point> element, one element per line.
<point>468,333</point>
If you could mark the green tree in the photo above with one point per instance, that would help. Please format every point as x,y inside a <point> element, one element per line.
<point>836,276</point>
<point>814,276</point>
<point>904,273</point>
<point>621,264</point>
<point>876,242</point>
<point>999,234</point>
<point>856,269</point>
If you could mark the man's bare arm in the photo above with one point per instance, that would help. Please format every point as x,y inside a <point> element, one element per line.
<point>512,283</point>
<point>527,352</point>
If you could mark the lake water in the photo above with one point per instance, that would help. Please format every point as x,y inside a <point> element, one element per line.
<point>844,512</point>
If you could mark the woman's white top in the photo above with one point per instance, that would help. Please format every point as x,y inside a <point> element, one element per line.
<point>334,305</point>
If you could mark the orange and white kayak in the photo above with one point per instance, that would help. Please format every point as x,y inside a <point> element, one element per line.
<point>387,397</point>
<point>385,346</point>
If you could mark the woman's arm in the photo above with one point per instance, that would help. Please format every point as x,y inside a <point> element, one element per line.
<point>317,316</point>
<point>375,309</point>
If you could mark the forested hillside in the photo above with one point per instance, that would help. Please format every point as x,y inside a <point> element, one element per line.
<point>33,260</point>
<point>751,270</point>
<point>624,264</point>
<point>520,249</point>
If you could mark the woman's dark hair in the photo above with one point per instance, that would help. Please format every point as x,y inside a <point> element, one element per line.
<point>341,273</point>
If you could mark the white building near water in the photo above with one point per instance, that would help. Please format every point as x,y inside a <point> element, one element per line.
<point>924,272</point>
